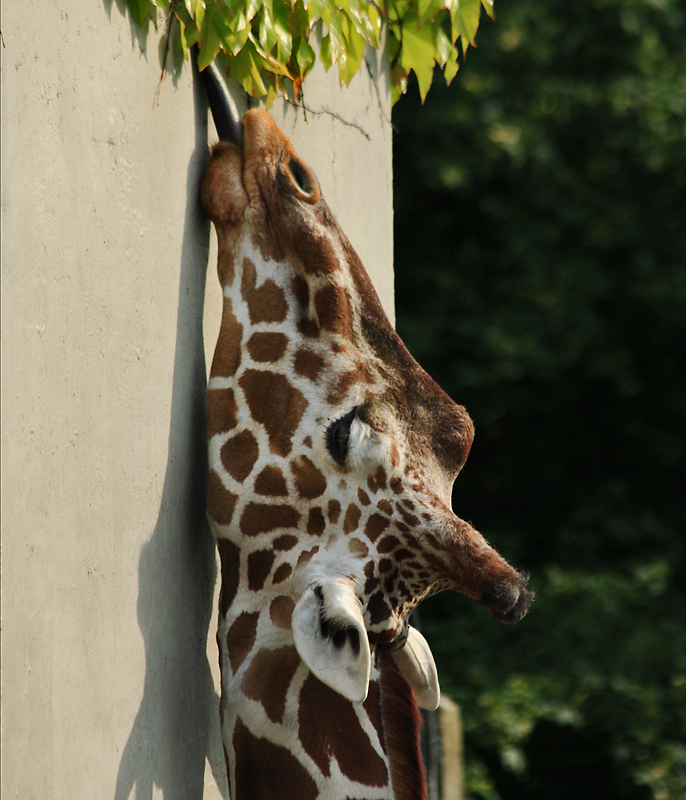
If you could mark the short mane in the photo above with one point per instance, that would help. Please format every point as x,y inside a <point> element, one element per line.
<point>401,725</point>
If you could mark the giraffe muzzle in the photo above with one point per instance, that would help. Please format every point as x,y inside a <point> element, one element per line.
<point>508,602</point>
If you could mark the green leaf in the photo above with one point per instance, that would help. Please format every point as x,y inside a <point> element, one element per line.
<point>352,56</point>
<point>394,35</point>
<point>305,56</point>
<point>451,66</point>
<point>443,45</point>
<point>464,15</point>
<point>488,5</point>
<point>284,39</point>
<point>266,33</point>
<point>245,68</point>
<point>418,53</point>
<point>239,40</point>
<point>277,32</point>
<point>185,49</point>
<point>317,9</point>
<point>369,25</point>
<point>398,82</point>
<point>252,7</point>
<point>398,11</point>
<point>213,35</point>
<point>192,6</point>
<point>335,36</point>
<point>427,9</point>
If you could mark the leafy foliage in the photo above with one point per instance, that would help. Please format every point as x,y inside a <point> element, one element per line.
<point>541,278</point>
<point>268,46</point>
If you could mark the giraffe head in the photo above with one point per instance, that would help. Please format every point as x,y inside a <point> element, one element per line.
<point>332,452</point>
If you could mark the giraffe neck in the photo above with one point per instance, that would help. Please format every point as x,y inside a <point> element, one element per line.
<point>288,735</point>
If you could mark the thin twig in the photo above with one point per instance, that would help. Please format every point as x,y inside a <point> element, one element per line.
<point>378,96</point>
<point>170,20</point>
<point>307,110</point>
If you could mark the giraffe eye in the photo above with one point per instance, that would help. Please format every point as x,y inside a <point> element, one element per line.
<point>338,435</point>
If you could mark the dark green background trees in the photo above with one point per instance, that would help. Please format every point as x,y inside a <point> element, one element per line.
<point>540,247</point>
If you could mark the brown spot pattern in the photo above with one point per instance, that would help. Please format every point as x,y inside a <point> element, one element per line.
<point>306,556</point>
<point>239,454</point>
<point>241,638</point>
<point>268,677</point>
<point>378,609</point>
<point>396,485</point>
<point>334,510</point>
<point>301,291</point>
<point>386,506</point>
<point>375,526</point>
<point>309,481</point>
<point>229,557</point>
<point>308,327</point>
<point>281,573</point>
<point>352,518</point>
<point>259,566</point>
<point>316,522</point>
<point>329,728</point>
<point>222,411</point>
<point>281,612</point>
<point>261,766</point>
<point>271,482</point>
<point>266,303</point>
<point>332,305</point>
<point>276,405</point>
<point>339,388</point>
<point>221,503</point>
<point>363,497</point>
<point>227,355</point>
<point>267,346</point>
<point>377,480</point>
<point>285,542</point>
<point>358,547</point>
<point>387,544</point>
<point>261,518</point>
<point>308,363</point>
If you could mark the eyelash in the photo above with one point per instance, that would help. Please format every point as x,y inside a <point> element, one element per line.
<point>337,437</point>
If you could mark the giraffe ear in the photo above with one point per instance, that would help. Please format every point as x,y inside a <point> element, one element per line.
<point>417,664</point>
<point>331,639</point>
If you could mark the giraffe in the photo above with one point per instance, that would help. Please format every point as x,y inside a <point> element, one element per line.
<point>332,455</point>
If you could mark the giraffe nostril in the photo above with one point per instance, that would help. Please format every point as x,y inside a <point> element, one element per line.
<point>508,602</point>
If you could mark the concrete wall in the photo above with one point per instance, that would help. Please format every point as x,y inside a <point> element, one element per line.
<point>108,570</point>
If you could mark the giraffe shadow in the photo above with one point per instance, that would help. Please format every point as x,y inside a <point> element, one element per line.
<point>177,725</point>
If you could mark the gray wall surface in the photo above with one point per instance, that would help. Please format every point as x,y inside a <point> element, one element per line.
<point>109,316</point>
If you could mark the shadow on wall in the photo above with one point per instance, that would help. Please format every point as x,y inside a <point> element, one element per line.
<point>177,725</point>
